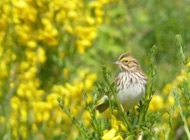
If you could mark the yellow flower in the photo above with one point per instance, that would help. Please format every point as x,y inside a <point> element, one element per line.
<point>60,16</point>
<point>90,20</point>
<point>188,120</point>
<point>117,124</point>
<point>93,4</point>
<point>15,102</point>
<point>157,103</point>
<point>109,134</point>
<point>3,69</point>
<point>41,55</point>
<point>180,78</point>
<point>32,44</point>
<point>38,117</point>
<point>11,85</point>
<point>118,137</point>
<point>88,84</point>
<point>15,133</point>
<point>24,65</point>
<point>52,98</point>
<point>167,89</point>
<point>83,44</point>
<point>114,123</point>
<point>23,131</point>
<point>165,116</point>
<point>188,64</point>
<point>68,28</point>
<point>72,14</point>
<point>31,73</point>
<point>86,117</point>
<point>23,115</point>
<point>170,101</point>
<point>41,28</point>
<point>46,116</point>
<point>34,128</point>
<point>71,88</point>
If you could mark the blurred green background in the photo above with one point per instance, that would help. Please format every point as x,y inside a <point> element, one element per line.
<point>135,26</point>
<point>50,43</point>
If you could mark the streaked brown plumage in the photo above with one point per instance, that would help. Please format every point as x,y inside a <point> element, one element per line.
<point>130,82</point>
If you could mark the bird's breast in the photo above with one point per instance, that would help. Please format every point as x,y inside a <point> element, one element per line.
<point>130,89</point>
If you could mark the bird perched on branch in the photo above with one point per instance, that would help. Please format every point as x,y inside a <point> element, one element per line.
<point>130,83</point>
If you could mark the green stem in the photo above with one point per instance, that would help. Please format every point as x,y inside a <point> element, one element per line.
<point>77,125</point>
<point>171,113</point>
<point>184,121</point>
<point>148,97</point>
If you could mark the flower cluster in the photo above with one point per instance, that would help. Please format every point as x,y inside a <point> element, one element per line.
<point>29,106</point>
<point>38,23</point>
<point>158,103</point>
<point>35,40</point>
<point>179,79</point>
<point>113,133</point>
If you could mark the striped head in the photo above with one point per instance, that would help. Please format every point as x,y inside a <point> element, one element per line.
<point>127,62</point>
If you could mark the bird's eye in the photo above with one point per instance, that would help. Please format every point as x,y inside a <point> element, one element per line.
<point>126,61</point>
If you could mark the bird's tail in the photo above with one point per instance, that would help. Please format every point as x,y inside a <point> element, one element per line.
<point>102,107</point>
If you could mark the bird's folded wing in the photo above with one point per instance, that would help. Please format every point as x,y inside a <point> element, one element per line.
<point>102,107</point>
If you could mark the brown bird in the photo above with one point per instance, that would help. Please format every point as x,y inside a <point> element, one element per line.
<point>130,83</point>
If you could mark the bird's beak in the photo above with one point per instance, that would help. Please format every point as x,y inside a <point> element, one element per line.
<point>118,63</point>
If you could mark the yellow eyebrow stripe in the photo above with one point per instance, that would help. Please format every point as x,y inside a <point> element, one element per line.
<point>124,59</point>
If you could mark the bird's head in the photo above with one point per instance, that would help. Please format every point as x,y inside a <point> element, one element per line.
<point>127,62</point>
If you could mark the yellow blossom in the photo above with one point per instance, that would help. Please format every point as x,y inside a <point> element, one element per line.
<point>114,123</point>
<point>88,84</point>
<point>188,120</point>
<point>52,98</point>
<point>23,115</point>
<point>156,103</point>
<point>188,64</point>
<point>34,128</point>
<point>31,44</point>
<point>61,16</point>
<point>118,125</point>
<point>46,116</point>
<point>165,115</point>
<point>118,137</point>
<point>41,55</point>
<point>170,101</point>
<point>180,78</point>
<point>86,117</point>
<point>90,20</point>
<point>23,131</point>
<point>38,117</point>
<point>72,14</point>
<point>15,102</point>
<point>167,89</point>
<point>68,28</point>
<point>73,90</point>
<point>44,31</point>
<point>15,133</point>
<point>3,69</point>
<point>109,134</point>
<point>85,43</point>
<point>24,65</point>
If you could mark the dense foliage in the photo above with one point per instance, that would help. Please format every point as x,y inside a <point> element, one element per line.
<point>55,49</point>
